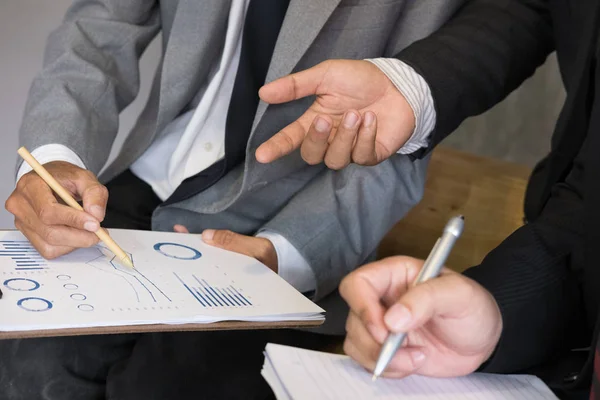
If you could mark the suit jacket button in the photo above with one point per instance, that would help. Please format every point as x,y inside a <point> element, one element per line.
<point>572,377</point>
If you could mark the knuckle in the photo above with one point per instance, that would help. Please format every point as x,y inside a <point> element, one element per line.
<point>48,251</point>
<point>11,203</point>
<point>90,240</point>
<point>335,164</point>
<point>96,190</point>
<point>51,235</point>
<point>361,159</point>
<point>46,214</point>
<point>86,174</point>
<point>24,181</point>
<point>226,237</point>
<point>286,142</point>
<point>311,158</point>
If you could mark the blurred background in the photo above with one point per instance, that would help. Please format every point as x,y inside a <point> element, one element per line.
<point>517,130</point>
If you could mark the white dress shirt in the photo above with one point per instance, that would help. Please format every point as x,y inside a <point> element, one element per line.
<point>196,139</point>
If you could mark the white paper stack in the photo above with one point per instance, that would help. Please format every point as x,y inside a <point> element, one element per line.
<point>177,279</point>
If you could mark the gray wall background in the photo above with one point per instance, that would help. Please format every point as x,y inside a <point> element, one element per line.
<point>516,130</point>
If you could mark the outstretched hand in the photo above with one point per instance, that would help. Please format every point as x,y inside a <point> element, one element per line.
<point>358,116</point>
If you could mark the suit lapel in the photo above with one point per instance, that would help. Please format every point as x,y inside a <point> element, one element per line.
<point>303,21</point>
<point>197,37</point>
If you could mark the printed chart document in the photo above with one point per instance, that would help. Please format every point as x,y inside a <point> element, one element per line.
<point>302,374</point>
<point>177,279</point>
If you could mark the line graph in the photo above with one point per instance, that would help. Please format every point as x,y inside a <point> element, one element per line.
<point>144,289</point>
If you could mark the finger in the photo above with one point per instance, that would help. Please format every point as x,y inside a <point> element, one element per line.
<point>294,86</point>
<point>446,296</point>
<point>285,141</point>
<point>365,288</point>
<point>364,149</point>
<point>180,229</point>
<point>407,361</point>
<point>93,194</point>
<point>316,142</point>
<point>361,336</point>
<point>48,211</point>
<point>351,350</point>
<point>339,152</point>
<point>55,235</point>
<point>45,249</point>
<point>229,240</point>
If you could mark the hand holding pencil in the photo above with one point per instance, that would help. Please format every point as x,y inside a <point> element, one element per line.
<point>53,228</point>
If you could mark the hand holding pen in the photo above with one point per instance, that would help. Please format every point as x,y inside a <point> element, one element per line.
<point>445,326</point>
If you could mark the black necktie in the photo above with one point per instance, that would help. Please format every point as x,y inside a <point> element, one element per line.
<point>263,22</point>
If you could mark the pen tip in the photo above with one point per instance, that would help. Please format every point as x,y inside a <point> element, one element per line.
<point>373,378</point>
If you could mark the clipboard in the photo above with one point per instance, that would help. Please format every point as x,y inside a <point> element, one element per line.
<point>157,328</point>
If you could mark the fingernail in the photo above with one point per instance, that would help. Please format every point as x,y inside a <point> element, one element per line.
<point>91,226</point>
<point>417,356</point>
<point>397,318</point>
<point>97,212</point>
<point>369,119</point>
<point>322,125</point>
<point>208,234</point>
<point>350,120</point>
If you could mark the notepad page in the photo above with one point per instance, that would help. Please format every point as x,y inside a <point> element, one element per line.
<point>313,375</point>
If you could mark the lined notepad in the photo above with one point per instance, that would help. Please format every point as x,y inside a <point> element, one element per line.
<point>302,374</point>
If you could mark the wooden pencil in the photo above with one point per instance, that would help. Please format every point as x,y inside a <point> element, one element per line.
<point>67,198</point>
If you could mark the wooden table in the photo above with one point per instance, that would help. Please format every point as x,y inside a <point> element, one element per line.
<point>489,193</point>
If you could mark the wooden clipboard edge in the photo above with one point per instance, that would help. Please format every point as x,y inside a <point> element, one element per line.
<point>112,330</point>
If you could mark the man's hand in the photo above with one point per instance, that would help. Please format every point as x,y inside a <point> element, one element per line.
<point>358,116</point>
<point>260,248</point>
<point>52,227</point>
<point>453,323</point>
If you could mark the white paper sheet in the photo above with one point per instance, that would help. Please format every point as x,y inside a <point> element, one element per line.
<point>177,279</point>
<point>303,374</point>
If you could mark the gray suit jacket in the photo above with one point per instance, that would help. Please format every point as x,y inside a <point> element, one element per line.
<point>335,219</point>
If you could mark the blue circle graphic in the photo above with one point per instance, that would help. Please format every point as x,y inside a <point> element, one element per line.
<point>10,283</point>
<point>45,304</point>
<point>196,254</point>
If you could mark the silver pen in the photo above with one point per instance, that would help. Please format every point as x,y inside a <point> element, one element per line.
<point>431,268</point>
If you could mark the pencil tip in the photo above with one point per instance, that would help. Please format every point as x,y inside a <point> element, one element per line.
<point>373,378</point>
<point>127,261</point>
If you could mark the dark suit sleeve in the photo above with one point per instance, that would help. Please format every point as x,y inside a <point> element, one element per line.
<point>481,55</point>
<point>533,279</point>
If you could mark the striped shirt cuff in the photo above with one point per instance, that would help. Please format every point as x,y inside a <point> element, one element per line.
<point>416,91</point>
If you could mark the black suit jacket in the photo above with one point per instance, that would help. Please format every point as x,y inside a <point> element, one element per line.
<point>545,276</point>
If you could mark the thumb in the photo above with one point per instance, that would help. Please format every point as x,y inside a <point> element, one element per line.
<point>294,86</point>
<point>446,296</point>
<point>94,195</point>
<point>228,240</point>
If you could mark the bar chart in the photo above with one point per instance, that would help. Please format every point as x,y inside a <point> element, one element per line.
<point>214,296</point>
<point>23,255</point>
